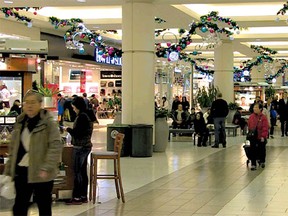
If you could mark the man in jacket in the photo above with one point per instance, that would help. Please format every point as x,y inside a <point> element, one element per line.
<point>219,111</point>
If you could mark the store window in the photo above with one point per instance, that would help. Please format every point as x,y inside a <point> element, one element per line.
<point>10,88</point>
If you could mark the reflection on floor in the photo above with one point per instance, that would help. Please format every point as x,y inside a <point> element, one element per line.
<point>189,180</point>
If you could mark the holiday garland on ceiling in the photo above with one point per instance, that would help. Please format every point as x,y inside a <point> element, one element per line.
<point>78,29</point>
<point>92,37</point>
<point>13,12</point>
<point>206,24</point>
<point>280,72</point>
<point>265,56</point>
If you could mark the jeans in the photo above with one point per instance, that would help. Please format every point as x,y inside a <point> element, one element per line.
<point>80,156</point>
<point>219,127</point>
<point>24,191</point>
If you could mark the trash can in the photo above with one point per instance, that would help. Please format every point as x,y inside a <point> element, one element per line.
<point>142,140</point>
<point>112,130</point>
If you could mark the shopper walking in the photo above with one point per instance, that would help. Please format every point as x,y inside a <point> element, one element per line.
<point>60,108</point>
<point>219,111</point>
<point>81,140</point>
<point>258,123</point>
<point>34,154</point>
<point>283,112</point>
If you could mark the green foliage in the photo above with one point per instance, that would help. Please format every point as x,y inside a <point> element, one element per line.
<point>232,106</point>
<point>48,92</point>
<point>205,96</point>
<point>45,91</point>
<point>270,92</point>
<point>162,113</point>
<point>115,103</point>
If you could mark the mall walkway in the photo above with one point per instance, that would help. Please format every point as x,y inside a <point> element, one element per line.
<point>188,180</point>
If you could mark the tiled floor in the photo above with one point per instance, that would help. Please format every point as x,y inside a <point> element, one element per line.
<point>189,180</point>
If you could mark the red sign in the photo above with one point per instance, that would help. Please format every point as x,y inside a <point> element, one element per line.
<point>83,81</point>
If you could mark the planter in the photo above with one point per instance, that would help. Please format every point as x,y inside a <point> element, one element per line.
<point>161,134</point>
<point>48,102</point>
<point>230,116</point>
<point>118,118</point>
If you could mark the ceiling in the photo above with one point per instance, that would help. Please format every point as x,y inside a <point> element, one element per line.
<point>257,17</point>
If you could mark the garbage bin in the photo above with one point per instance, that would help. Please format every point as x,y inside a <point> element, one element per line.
<point>112,130</point>
<point>142,140</point>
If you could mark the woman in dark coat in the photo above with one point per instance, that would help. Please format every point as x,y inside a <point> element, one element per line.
<point>201,129</point>
<point>81,140</point>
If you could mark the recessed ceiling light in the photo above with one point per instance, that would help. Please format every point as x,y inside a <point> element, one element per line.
<point>8,2</point>
<point>81,1</point>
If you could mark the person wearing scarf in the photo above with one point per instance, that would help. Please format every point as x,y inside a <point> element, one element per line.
<point>34,156</point>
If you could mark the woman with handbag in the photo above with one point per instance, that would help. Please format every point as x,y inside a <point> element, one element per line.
<point>258,131</point>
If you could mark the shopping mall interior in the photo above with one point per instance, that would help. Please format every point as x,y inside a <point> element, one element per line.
<point>131,53</point>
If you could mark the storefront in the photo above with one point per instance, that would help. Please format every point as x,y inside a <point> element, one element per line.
<point>74,77</point>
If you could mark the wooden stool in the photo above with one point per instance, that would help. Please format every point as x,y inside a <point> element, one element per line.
<point>108,155</point>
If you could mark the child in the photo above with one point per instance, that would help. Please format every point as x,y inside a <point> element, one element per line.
<point>201,129</point>
<point>273,119</point>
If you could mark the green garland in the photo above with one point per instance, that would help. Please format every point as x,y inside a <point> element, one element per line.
<point>283,10</point>
<point>263,50</point>
<point>206,24</point>
<point>281,71</point>
<point>64,22</point>
<point>13,12</point>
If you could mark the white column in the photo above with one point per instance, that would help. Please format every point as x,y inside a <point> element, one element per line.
<point>223,76</point>
<point>138,62</point>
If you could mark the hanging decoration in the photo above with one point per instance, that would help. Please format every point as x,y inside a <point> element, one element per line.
<point>78,31</point>
<point>240,75</point>
<point>272,77</point>
<point>283,10</point>
<point>64,22</point>
<point>159,20</point>
<point>13,12</point>
<point>207,24</point>
<point>265,57</point>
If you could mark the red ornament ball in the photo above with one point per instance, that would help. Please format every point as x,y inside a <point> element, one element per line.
<point>35,13</point>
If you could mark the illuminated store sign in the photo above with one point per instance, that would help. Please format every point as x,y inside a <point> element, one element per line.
<point>107,60</point>
<point>110,74</point>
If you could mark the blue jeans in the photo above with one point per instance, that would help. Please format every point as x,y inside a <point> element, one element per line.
<point>219,127</point>
<point>80,156</point>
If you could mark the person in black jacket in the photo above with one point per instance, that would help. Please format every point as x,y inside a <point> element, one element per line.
<point>201,129</point>
<point>81,140</point>
<point>283,112</point>
<point>185,104</point>
<point>16,107</point>
<point>175,104</point>
<point>219,111</point>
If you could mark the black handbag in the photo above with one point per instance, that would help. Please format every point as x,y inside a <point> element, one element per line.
<point>252,135</point>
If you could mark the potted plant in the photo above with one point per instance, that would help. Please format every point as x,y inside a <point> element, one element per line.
<point>232,106</point>
<point>47,93</point>
<point>161,129</point>
<point>270,92</point>
<point>205,96</point>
